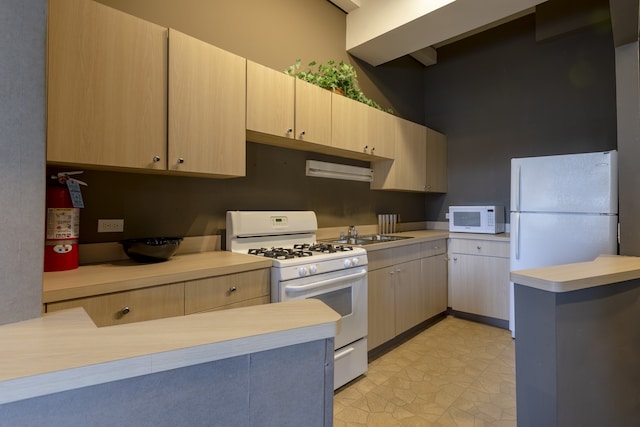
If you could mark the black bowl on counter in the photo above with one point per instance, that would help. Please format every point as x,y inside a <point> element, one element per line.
<point>151,249</point>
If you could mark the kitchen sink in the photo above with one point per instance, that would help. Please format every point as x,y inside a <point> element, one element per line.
<point>383,238</point>
<point>368,239</point>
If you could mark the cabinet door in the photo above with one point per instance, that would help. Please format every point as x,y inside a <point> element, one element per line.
<point>408,171</point>
<point>130,306</point>
<point>313,113</point>
<point>361,129</point>
<point>207,93</point>
<point>436,162</point>
<point>381,308</point>
<point>349,125</point>
<point>381,132</point>
<point>229,291</point>
<point>411,296</point>
<point>106,87</point>
<point>270,101</point>
<point>434,274</point>
<point>480,285</point>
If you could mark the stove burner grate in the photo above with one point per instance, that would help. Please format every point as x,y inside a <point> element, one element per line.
<point>299,250</point>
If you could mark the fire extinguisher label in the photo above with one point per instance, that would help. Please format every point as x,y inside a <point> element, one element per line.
<point>74,192</point>
<point>63,223</point>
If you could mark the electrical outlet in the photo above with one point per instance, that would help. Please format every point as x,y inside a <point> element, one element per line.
<point>110,225</point>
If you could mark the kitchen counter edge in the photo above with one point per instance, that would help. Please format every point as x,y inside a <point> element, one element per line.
<point>117,276</point>
<point>420,236</point>
<point>65,350</point>
<point>604,270</point>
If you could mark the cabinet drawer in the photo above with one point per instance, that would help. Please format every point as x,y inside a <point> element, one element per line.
<point>386,257</point>
<point>479,247</point>
<point>433,248</point>
<point>251,287</point>
<point>129,306</point>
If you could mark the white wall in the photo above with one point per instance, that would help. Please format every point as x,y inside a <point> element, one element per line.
<point>22,148</point>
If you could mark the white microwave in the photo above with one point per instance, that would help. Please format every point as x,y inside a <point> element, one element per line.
<point>476,219</point>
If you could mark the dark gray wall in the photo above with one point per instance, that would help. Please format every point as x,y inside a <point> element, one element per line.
<point>500,94</point>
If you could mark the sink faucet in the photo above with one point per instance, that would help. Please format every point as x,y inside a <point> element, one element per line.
<point>352,233</point>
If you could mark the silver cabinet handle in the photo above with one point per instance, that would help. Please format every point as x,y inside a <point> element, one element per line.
<point>180,160</point>
<point>479,247</point>
<point>125,310</point>
<point>302,133</point>
<point>455,258</point>
<point>373,149</point>
<point>156,159</point>
<point>232,289</point>
<point>289,130</point>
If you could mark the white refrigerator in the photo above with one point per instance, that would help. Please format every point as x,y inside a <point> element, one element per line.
<point>564,209</point>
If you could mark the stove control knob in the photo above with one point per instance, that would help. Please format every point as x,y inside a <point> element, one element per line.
<point>313,269</point>
<point>302,271</point>
<point>347,263</point>
<point>355,261</point>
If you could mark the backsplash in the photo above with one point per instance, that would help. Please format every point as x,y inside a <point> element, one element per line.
<point>162,205</point>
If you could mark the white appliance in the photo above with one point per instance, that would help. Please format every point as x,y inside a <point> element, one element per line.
<point>303,268</point>
<point>476,219</point>
<point>564,209</point>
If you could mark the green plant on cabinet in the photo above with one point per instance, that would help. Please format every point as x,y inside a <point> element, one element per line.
<point>338,77</point>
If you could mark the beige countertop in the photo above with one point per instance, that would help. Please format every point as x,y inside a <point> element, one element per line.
<point>419,236</point>
<point>123,275</point>
<point>65,350</point>
<point>604,270</point>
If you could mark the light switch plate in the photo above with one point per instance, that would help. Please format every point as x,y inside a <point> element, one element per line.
<point>110,225</point>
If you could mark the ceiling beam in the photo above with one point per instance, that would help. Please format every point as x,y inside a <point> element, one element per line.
<point>382,30</point>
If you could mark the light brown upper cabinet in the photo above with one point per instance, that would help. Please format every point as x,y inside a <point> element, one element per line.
<point>436,162</point>
<point>111,99</point>
<point>106,87</point>
<point>281,106</point>
<point>207,94</point>
<point>362,130</point>
<point>408,171</point>
<point>420,161</point>
<point>270,102</point>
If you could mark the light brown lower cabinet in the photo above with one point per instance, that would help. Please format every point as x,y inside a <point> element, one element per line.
<point>230,291</point>
<point>479,277</point>
<point>176,299</point>
<point>407,285</point>
<point>129,306</point>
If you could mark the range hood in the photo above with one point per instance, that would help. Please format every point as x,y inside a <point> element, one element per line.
<point>338,171</point>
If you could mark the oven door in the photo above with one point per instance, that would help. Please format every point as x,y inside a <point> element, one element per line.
<point>344,291</point>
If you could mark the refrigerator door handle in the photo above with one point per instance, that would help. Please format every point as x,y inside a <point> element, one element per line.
<point>516,186</point>
<point>515,231</point>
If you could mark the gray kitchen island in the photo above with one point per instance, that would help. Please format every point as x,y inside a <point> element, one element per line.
<point>267,365</point>
<point>578,343</point>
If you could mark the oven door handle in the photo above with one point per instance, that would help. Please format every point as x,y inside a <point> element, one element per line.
<point>324,283</point>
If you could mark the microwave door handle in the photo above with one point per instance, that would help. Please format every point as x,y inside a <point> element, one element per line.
<point>325,283</point>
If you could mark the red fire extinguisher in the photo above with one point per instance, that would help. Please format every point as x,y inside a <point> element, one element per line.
<point>62,228</point>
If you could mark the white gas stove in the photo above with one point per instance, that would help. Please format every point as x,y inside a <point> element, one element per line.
<point>289,238</point>
<point>304,268</point>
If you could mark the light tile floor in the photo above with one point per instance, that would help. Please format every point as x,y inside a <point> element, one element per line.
<point>456,373</point>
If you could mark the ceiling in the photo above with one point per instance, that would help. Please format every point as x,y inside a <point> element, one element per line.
<point>379,31</point>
